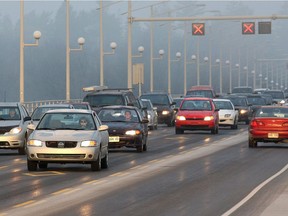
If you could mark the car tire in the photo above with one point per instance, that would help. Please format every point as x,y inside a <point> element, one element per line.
<point>215,130</point>
<point>22,150</point>
<point>145,144</point>
<point>43,165</point>
<point>234,126</point>
<point>32,165</point>
<point>179,131</point>
<point>252,143</point>
<point>105,161</point>
<point>96,165</point>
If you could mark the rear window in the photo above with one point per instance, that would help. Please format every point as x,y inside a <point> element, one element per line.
<point>157,99</point>
<point>242,90</point>
<point>104,100</point>
<point>202,93</point>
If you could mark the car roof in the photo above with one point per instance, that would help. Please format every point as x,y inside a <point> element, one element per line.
<point>9,104</point>
<point>197,98</point>
<point>220,99</point>
<point>201,87</point>
<point>111,92</point>
<point>56,105</point>
<point>70,111</point>
<point>120,107</point>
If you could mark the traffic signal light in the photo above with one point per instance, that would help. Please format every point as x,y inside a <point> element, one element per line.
<point>264,27</point>
<point>248,28</point>
<point>198,28</point>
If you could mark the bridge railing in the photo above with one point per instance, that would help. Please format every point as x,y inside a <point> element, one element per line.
<point>30,106</point>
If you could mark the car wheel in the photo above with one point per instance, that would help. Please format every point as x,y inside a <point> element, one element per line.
<point>215,130</point>
<point>252,143</point>
<point>104,161</point>
<point>145,144</point>
<point>234,126</point>
<point>43,165</point>
<point>32,165</point>
<point>179,131</point>
<point>22,150</point>
<point>96,165</point>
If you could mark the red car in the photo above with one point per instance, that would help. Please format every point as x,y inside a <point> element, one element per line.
<point>268,124</point>
<point>197,113</point>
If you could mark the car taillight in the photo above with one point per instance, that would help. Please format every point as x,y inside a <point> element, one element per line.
<point>285,124</point>
<point>256,123</point>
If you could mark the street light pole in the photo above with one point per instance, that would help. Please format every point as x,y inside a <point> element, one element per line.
<point>81,42</point>
<point>129,42</point>
<point>37,35</point>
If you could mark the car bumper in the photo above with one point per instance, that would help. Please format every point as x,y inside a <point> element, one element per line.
<point>269,136</point>
<point>192,125</point>
<point>226,122</point>
<point>79,154</point>
<point>126,141</point>
<point>12,141</point>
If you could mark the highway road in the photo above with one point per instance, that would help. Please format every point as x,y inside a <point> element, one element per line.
<point>195,173</point>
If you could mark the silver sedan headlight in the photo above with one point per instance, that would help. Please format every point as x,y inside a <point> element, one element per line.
<point>88,143</point>
<point>36,143</point>
<point>15,130</point>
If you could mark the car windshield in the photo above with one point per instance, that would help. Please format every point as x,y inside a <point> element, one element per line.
<point>242,90</point>
<point>256,101</point>
<point>80,106</point>
<point>104,100</point>
<point>272,112</point>
<point>238,101</point>
<point>276,94</point>
<point>66,121</point>
<point>147,104</point>
<point>196,105</point>
<point>40,111</point>
<point>10,113</point>
<point>223,105</point>
<point>203,93</point>
<point>118,115</point>
<point>157,99</point>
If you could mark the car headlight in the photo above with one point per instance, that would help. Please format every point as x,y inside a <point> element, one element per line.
<point>36,143</point>
<point>243,111</point>
<point>149,116</point>
<point>208,118</point>
<point>88,143</point>
<point>165,112</point>
<point>227,115</point>
<point>133,132</point>
<point>181,118</point>
<point>15,130</point>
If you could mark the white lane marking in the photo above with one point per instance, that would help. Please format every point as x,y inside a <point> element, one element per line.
<point>56,201</point>
<point>254,191</point>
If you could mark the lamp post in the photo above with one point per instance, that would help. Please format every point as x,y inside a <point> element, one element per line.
<point>218,61</point>
<point>37,35</point>
<point>260,80</point>
<point>113,45</point>
<point>238,66</point>
<point>161,53</point>
<point>254,78</point>
<point>206,59</point>
<point>227,62</point>
<point>245,68</point>
<point>178,56</point>
<point>81,42</point>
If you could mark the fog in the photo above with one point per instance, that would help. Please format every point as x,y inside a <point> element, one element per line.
<point>45,65</point>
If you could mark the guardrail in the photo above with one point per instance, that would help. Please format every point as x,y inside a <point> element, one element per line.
<point>30,106</point>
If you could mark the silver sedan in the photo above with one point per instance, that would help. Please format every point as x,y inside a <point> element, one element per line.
<point>68,136</point>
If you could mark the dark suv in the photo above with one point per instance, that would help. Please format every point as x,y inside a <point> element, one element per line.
<point>108,97</point>
<point>165,107</point>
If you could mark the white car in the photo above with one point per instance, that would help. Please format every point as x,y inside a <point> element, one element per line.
<point>68,136</point>
<point>228,116</point>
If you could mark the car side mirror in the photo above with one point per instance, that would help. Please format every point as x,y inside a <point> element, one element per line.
<point>31,126</point>
<point>173,103</point>
<point>216,110</point>
<point>145,120</point>
<point>27,118</point>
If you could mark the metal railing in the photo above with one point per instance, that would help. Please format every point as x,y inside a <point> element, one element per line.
<point>30,106</point>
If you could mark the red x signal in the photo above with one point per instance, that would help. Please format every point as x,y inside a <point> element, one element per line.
<point>198,29</point>
<point>248,28</point>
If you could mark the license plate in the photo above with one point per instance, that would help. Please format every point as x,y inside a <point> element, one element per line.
<point>273,135</point>
<point>114,139</point>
